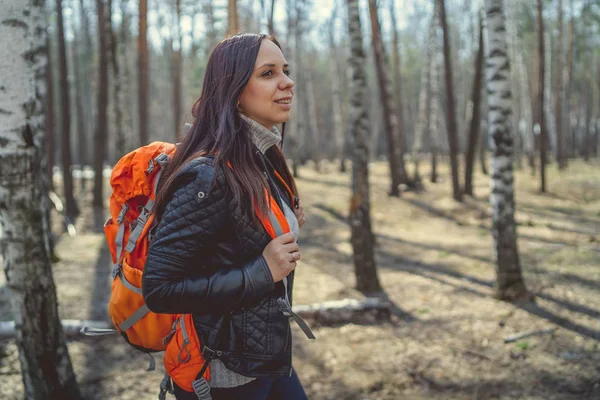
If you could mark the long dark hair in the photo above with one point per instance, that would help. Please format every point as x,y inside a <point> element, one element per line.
<point>219,130</point>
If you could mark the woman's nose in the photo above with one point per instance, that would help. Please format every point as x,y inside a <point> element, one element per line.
<point>287,83</point>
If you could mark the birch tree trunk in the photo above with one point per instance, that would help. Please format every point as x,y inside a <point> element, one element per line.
<point>509,282</point>
<point>450,106</point>
<point>45,364</point>
<point>397,169</point>
<point>143,72</point>
<point>360,213</point>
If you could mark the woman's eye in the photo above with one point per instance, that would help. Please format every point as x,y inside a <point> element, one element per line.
<point>287,72</point>
<point>268,73</point>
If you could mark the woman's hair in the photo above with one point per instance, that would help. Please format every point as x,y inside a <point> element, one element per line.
<point>218,129</point>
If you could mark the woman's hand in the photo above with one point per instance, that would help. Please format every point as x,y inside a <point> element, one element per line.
<point>299,211</point>
<point>281,255</point>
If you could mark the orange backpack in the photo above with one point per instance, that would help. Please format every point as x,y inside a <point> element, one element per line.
<point>133,180</point>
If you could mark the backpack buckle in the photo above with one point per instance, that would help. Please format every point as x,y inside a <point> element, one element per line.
<point>124,210</point>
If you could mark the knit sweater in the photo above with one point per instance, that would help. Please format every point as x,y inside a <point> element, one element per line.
<point>263,138</point>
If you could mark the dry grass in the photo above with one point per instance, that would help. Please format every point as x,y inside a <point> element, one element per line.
<point>445,340</point>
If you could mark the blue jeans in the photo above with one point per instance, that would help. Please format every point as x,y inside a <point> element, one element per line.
<point>286,388</point>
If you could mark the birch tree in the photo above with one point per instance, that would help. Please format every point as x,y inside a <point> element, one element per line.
<point>509,281</point>
<point>45,364</point>
<point>360,212</point>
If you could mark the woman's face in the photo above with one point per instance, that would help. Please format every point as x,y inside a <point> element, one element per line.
<point>267,98</point>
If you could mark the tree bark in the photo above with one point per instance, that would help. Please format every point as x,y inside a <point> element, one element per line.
<point>71,210</point>
<point>543,131</point>
<point>474,129</point>
<point>336,95</point>
<point>396,162</point>
<point>211,32</point>
<point>421,125</point>
<point>233,25</point>
<point>434,109</point>
<point>120,142</point>
<point>569,144</point>
<point>509,282</point>
<point>360,218</point>
<point>45,364</point>
<point>450,106</point>
<point>176,65</point>
<point>50,124</point>
<point>397,85</point>
<point>143,72</point>
<point>560,90</point>
<point>271,25</point>
<point>101,131</point>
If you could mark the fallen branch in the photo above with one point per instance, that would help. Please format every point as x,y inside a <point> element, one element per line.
<point>522,335</point>
<point>369,310</point>
<point>71,327</point>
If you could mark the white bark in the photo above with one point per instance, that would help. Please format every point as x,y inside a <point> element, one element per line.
<point>45,364</point>
<point>510,284</point>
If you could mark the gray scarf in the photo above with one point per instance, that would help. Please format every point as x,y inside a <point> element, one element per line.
<point>262,137</point>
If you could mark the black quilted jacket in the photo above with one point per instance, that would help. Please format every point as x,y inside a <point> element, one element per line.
<point>206,259</point>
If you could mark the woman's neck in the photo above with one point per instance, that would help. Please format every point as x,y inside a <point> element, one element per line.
<point>262,137</point>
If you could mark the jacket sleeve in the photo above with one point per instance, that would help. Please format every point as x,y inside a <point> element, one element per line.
<point>173,281</point>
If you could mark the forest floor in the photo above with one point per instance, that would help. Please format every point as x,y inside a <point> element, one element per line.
<point>434,257</point>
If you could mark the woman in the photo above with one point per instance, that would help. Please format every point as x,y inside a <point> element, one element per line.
<point>210,255</point>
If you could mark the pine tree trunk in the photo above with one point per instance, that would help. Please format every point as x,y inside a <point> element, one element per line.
<point>474,129</point>
<point>360,219</point>
<point>211,32</point>
<point>523,85</point>
<point>569,144</point>
<point>45,364</point>
<point>101,131</point>
<point>543,130</point>
<point>143,72</point>
<point>85,54</point>
<point>434,113</point>
<point>81,139</point>
<point>336,93</point>
<point>450,106</point>
<point>390,123</point>
<point>71,210</point>
<point>120,139</point>
<point>128,109</point>
<point>397,88</point>
<point>177,72</point>
<point>560,90</point>
<point>509,282</point>
<point>549,112</point>
<point>271,25</point>
<point>233,25</point>
<point>421,125</point>
<point>50,125</point>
